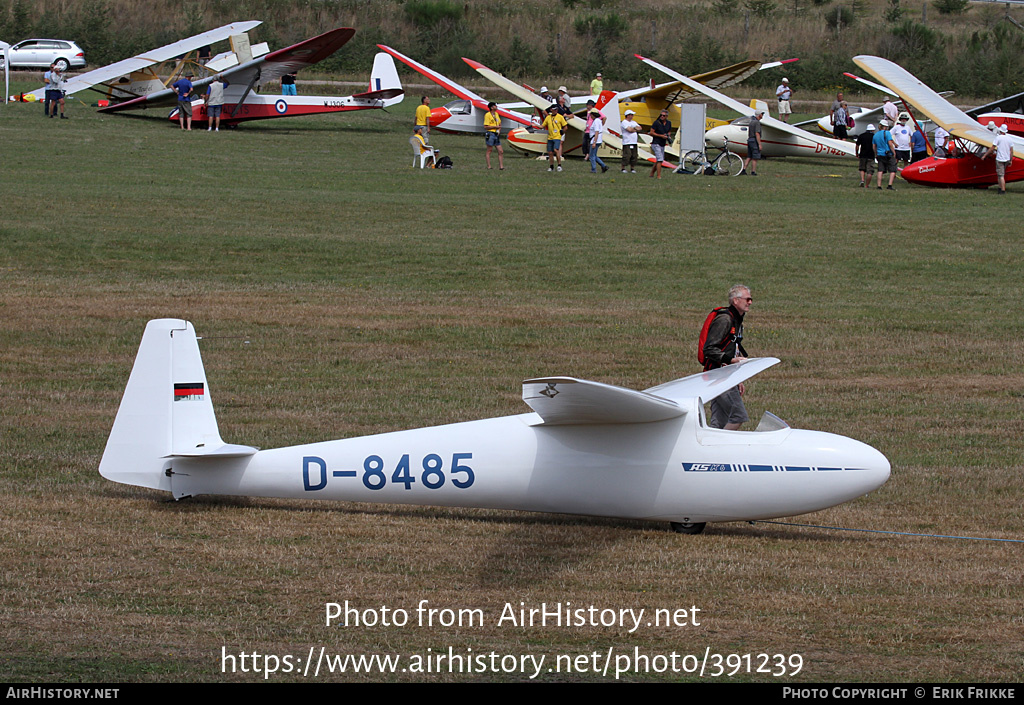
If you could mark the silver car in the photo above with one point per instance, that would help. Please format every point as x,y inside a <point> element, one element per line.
<point>40,53</point>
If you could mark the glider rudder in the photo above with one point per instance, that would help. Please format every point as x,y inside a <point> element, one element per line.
<point>166,411</point>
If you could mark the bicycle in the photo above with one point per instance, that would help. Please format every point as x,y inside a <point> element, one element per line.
<point>726,163</point>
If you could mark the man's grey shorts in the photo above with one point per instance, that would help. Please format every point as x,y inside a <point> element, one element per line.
<point>728,408</point>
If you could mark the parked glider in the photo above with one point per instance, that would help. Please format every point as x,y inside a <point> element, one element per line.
<point>138,76</point>
<point>588,448</point>
<point>779,139</point>
<point>530,142</point>
<point>964,167</point>
<point>465,114</point>
<point>243,102</point>
<point>647,103</point>
<point>1005,111</point>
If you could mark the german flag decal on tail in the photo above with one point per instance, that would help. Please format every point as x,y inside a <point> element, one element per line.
<point>188,390</point>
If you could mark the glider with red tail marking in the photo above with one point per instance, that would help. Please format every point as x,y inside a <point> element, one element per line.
<point>243,102</point>
<point>465,114</point>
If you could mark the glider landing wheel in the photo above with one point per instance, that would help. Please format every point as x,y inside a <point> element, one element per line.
<point>62,64</point>
<point>687,528</point>
<point>693,162</point>
<point>730,165</point>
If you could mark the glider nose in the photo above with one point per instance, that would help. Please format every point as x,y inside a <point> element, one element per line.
<point>876,466</point>
<point>716,137</point>
<point>438,116</point>
<point>932,171</point>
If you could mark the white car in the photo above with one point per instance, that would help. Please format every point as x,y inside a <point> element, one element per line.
<point>40,53</point>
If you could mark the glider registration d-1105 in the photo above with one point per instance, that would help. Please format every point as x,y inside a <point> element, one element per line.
<point>242,102</point>
<point>587,448</point>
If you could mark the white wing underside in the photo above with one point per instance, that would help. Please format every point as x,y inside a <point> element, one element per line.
<point>942,112</point>
<point>165,53</point>
<point>766,120</point>
<point>569,401</point>
<point>538,102</point>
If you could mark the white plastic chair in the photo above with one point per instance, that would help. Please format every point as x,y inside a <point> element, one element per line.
<point>423,156</point>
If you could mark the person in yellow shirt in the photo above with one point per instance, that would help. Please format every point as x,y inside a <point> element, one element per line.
<point>555,124</point>
<point>597,85</point>
<point>424,147</point>
<point>492,135</point>
<point>423,115</point>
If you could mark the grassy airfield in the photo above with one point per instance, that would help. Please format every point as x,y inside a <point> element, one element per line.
<point>343,293</point>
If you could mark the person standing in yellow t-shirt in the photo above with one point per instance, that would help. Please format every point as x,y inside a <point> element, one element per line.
<point>492,135</point>
<point>555,124</point>
<point>423,115</point>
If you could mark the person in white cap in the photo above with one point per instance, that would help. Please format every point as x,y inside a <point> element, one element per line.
<point>597,85</point>
<point>630,129</point>
<point>784,93</point>
<point>941,138</point>
<point>901,135</point>
<point>753,143</point>
<point>564,101</point>
<point>545,94</point>
<point>1002,147</point>
<point>866,154</point>
<point>885,153</point>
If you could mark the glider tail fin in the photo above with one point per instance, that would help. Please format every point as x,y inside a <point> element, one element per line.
<point>384,76</point>
<point>165,412</point>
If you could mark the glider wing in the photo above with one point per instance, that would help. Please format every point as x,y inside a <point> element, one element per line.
<point>836,146</point>
<point>563,401</point>
<point>941,111</point>
<point>165,53</point>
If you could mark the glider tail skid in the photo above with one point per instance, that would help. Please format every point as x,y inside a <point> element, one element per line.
<point>166,411</point>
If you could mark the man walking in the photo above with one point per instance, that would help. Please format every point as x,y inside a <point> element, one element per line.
<point>753,143</point>
<point>724,346</point>
<point>555,124</point>
<point>661,133</point>
<point>596,138</point>
<point>866,154</point>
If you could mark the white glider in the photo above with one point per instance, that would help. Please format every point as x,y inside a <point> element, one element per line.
<point>779,138</point>
<point>105,79</point>
<point>589,448</point>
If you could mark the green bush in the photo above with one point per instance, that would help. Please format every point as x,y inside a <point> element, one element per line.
<point>894,12</point>
<point>602,27</point>
<point>761,8</point>
<point>425,14</point>
<point>952,7</point>
<point>839,17</point>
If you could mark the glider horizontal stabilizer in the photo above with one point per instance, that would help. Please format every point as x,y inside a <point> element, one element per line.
<point>564,401</point>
